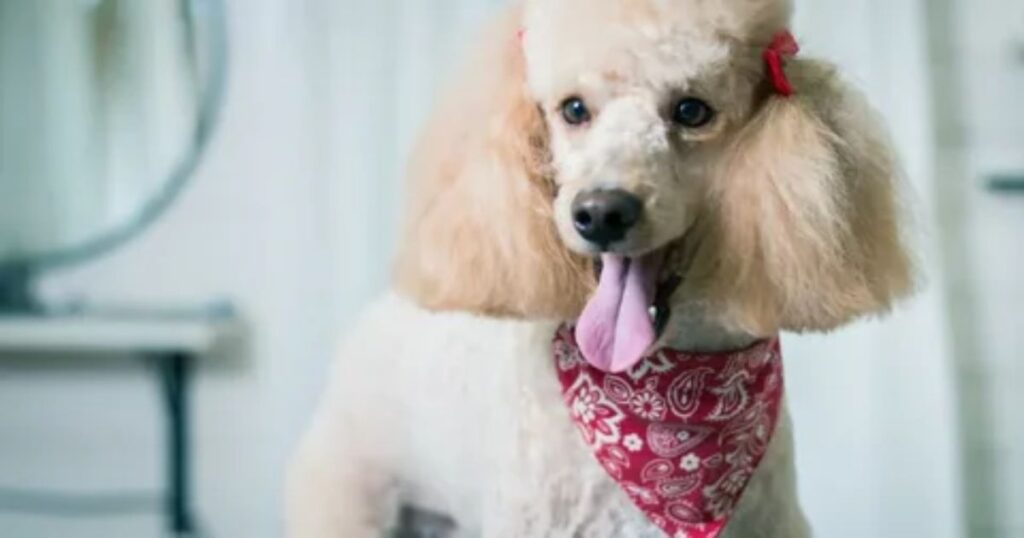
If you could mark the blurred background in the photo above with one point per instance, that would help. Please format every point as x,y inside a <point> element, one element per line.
<point>197,198</point>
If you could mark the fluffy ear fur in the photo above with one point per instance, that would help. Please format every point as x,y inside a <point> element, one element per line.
<point>804,231</point>
<point>479,234</point>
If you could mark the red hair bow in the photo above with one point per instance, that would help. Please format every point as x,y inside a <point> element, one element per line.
<point>782,47</point>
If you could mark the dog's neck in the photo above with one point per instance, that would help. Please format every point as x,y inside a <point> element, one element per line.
<point>692,328</point>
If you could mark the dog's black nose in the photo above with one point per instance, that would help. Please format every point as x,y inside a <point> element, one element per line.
<point>605,216</point>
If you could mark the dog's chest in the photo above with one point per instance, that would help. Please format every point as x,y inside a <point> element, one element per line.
<point>492,437</point>
<point>564,491</point>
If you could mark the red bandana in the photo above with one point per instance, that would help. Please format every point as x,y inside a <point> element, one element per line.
<point>681,433</point>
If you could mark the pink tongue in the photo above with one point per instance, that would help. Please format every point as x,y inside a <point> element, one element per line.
<point>615,330</point>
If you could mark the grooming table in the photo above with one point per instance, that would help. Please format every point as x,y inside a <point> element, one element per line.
<point>174,341</point>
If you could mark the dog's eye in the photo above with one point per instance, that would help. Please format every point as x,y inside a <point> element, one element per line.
<point>575,111</point>
<point>693,113</point>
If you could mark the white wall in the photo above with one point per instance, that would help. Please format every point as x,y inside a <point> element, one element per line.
<point>292,216</point>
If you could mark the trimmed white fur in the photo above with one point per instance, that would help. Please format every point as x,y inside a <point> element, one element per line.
<point>464,415</point>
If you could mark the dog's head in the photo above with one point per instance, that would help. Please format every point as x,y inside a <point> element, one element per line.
<point>642,100</point>
<point>648,129</point>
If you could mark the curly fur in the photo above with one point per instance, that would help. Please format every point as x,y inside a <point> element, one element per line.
<point>479,234</point>
<point>785,213</point>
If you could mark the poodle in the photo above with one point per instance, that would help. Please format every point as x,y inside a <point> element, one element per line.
<point>613,214</point>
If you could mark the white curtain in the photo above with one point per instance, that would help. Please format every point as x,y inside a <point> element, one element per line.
<point>875,404</point>
<point>377,67</point>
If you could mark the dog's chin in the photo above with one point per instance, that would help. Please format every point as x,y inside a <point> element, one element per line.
<point>668,280</point>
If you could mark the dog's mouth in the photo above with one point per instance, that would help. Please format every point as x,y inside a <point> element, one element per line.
<point>630,308</point>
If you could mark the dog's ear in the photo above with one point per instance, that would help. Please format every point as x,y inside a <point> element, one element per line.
<point>806,231</point>
<point>479,234</point>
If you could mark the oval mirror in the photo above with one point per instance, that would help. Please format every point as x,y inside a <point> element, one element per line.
<point>105,108</point>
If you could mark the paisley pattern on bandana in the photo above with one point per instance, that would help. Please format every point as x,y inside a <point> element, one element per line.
<point>682,434</point>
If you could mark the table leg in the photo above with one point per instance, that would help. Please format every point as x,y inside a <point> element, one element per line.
<point>176,371</point>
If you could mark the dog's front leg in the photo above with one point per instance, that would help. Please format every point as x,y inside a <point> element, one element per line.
<point>335,492</point>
